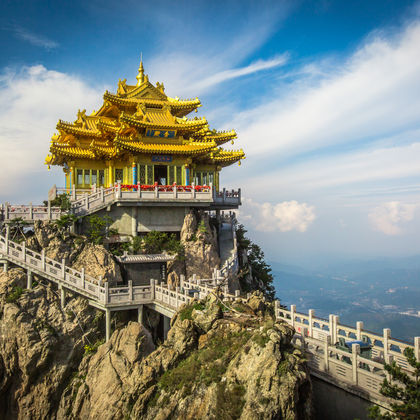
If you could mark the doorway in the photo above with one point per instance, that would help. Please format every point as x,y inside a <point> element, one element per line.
<point>160,174</point>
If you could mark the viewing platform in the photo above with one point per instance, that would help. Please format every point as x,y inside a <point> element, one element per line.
<point>85,202</point>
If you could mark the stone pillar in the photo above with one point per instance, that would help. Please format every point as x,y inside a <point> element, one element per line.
<point>133,221</point>
<point>6,266</point>
<point>29,280</point>
<point>166,326</point>
<point>336,322</point>
<point>140,314</point>
<point>326,353</point>
<point>107,324</point>
<point>134,165</point>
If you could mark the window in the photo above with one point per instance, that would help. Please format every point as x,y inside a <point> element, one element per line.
<point>171,175</point>
<point>87,176</point>
<point>142,174</point>
<point>119,175</point>
<point>79,177</point>
<point>179,175</point>
<point>94,178</point>
<point>149,169</point>
<point>101,177</point>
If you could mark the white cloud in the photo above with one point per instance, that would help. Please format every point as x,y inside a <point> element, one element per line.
<point>34,39</point>
<point>283,217</point>
<point>373,93</point>
<point>31,102</point>
<point>388,217</point>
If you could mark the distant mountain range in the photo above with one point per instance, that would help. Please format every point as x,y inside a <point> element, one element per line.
<point>375,291</point>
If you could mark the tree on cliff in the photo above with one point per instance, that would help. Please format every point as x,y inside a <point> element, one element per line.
<point>403,389</point>
<point>254,272</point>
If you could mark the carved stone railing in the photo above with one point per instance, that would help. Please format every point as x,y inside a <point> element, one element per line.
<point>29,212</point>
<point>318,336</point>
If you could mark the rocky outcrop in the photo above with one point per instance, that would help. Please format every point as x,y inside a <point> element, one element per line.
<point>215,364</point>
<point>59,244</point>
<point>200,244</point>
<point>41,346</point>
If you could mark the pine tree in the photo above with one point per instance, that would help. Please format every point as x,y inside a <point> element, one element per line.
<point>403,389</point>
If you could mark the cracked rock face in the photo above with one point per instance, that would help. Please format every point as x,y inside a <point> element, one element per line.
<point>40,346</point>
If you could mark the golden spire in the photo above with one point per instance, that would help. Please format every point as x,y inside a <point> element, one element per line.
<point>140,76</point>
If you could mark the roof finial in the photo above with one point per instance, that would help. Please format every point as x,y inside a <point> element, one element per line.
<point>140,76</point>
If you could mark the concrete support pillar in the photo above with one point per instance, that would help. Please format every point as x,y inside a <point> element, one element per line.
<point>29,280</point>
<point>140,314</point>
<point>107,324</point>
<point>6,267</point>
<point>134,221</point>
<point>166,326</point>
<point>62,296</point>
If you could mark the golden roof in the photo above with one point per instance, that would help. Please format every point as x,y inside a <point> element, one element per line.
<point>140,118</point>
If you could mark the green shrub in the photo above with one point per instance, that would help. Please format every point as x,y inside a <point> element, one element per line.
<point>14,295</point>
<point>89,349</point>
<point>186,313</point>
<point>98,228</point>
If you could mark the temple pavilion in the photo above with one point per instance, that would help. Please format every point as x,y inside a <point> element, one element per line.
<point>141,135</point>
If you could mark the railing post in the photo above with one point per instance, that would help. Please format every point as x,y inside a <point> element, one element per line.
<point>156,191</point>
<point>106,292</point>
<point>24,251</point>
<point>101,191</point>
<point>193,190</point>
<point>63,268</point>
<point>176,297</point>
<point>86,201</point>
<point>138,189</point>
<point>94,188</point>
<point>224,195</point>
<point>82,271</point>
<point>311,322</point>
<point>152,289</point>
<point>7,238</point>
<point>6,210</point>
<point>417,348</point>
<point>174,189</point>
<point>130,290</point>
<point>119,189</point>
<point>387,336</point>
<point>238,293</point>
<point>31,211</point>
<point>276,309</point>
<point>73,192</point>
<point>336,322</point>
<point>49,210</point>
<point>292,314</point>
<point>331,328</point>
<point>355,351</point>
<point>327,343</point>
<point>359,328</point>
<point>43,259</point>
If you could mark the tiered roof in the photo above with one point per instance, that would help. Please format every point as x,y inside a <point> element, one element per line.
<point>137,119</point>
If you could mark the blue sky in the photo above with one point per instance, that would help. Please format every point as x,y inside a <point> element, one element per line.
<point>324,96</point>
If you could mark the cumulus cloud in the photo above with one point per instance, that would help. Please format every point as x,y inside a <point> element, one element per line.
<point>388,217</point>
<point>284,217</point>
<point>31,102</point>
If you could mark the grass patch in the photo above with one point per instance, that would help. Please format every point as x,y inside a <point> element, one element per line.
<point>230,401</point>
<point>186,313</point>
<point>205,366</point>
<point>89,349</point>
<point>14,295</point>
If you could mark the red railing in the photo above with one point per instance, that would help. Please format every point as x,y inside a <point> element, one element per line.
<point>180,188</point>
